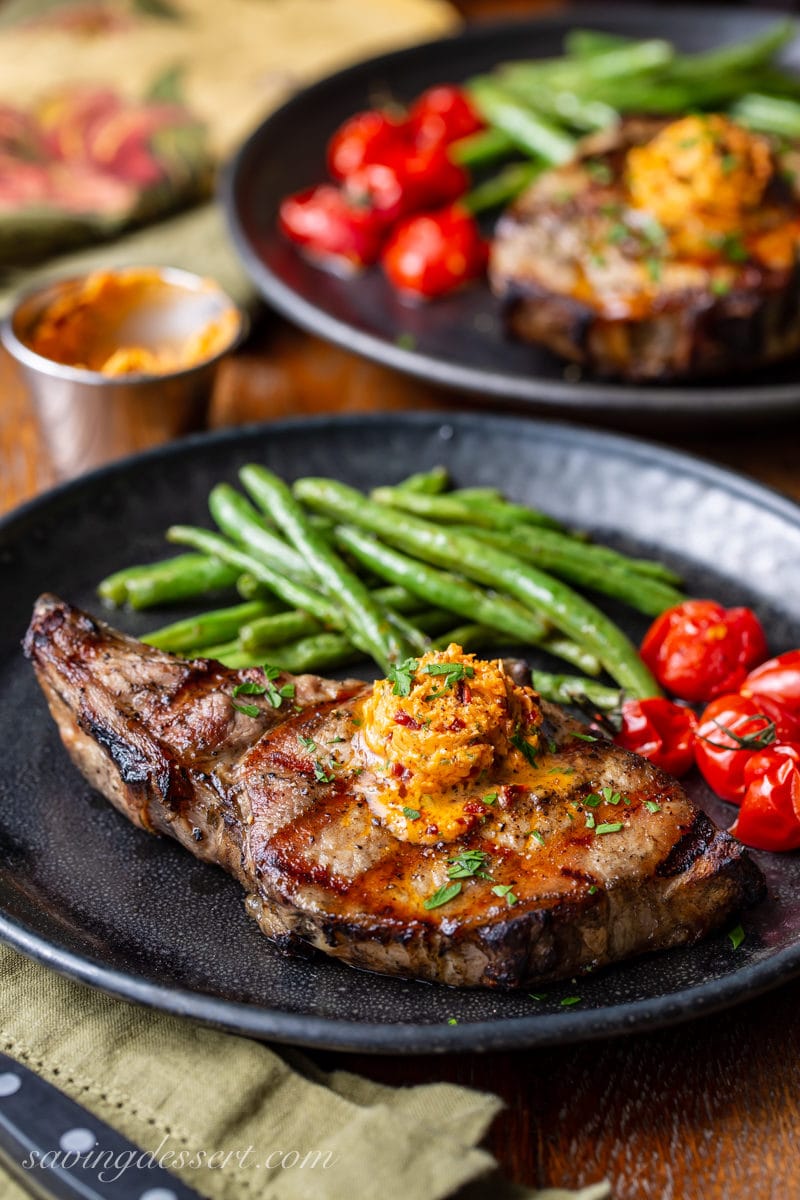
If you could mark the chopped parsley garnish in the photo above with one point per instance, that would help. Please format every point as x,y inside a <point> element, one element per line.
<point>452,1021</point>
<point>402,676</point>
<point>276,696</point>
<point>249,688</point>
<point>732,247</point>
<point>653,232</point>
<point>307,743</point>
<point>321,775</point>
<point>489,798</point>
<point>412,814</point>
<point>568,1001</point>
<point>600,172</point>
<point>593,889</point>
<point>610,796</point>
<point>451,673</point>
<point>597,260</point>
<point>406,341</point>
<point>442,895</point>
<point>729,163</point>
<point>525,748</point>
<point>468,864</point>
<point>585,737</point>
<point>609,827</point>
<point>590,820</point>
<point>721,287</point>
<point>504,890</point>
<point>736,936</point>
<point>652,806</point>
<point>333,741</point>
<point>618,233</point>
<point>592,800</point>
<point>538,835</point>
<point>249,710</point>
<point>654,267</point>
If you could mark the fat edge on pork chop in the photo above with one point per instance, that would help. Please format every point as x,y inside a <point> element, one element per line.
<point>561,855</point>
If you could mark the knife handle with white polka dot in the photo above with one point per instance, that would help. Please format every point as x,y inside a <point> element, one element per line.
<point>55,1148</point>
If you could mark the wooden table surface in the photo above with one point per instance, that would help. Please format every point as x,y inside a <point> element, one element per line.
<point>706,1111</point>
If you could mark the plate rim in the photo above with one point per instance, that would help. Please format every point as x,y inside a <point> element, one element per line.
<point>537,1029</point>
<point>586,395</point>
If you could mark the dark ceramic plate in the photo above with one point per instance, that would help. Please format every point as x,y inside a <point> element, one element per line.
<point>459,341</point>
<point>86,892</point>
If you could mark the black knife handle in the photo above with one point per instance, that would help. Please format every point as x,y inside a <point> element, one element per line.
<point>55,1148</point>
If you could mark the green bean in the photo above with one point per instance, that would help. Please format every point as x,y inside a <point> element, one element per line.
<point>568,611</point>
<point>769,114</point>
<point>177,578</point>
<point>741,56</point>
<point>451,592</point>
<point>249,588</point>
<point>231,654</point>
<point>561,689</point>
<point>430,483</point>
<point>238,519</point>
<point>465,510</point>
<point>585,43</point>
<point>501,188</point>
<point>317,653</point>
<point>566,689</point>
<point>533,134</point>
<point>481,149</point>
<point>546,547</point>
<point>365,619</point>
<point>635,59</point>
<point>207,629</point>
<point>477,495</point>
<point>284,627</point>
<point>590,566</point>
<point>587,114</point>
<point>296,595</point>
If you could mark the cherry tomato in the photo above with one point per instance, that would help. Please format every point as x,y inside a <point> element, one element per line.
<point>329,226</point>
<point>779,678</point>
<point>698,650</point>
<point>769,817</point>
<point>411,180</point>
<point>379,187</point>
<point>435,253</point>
<point>733,728</point>
<point>443,114</point>
<point>661,731</point>
<point>365,138</point>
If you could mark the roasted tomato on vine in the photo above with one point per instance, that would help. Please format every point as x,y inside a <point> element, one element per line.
<point>699,650</point>
<point>367,137</point>
<point>331,227</point>
<point>769,817</point>
<point>661,731</point>
<point>443,114</point>
<point>778,678</point>
<point>435,253</point>
<point>732,729</point>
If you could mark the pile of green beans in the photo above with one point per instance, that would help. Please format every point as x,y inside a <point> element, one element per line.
<point>327,576</point>
<point>540,108</point>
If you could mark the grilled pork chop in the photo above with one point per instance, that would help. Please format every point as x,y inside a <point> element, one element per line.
<point>681,262</point>
<point>597,857</point>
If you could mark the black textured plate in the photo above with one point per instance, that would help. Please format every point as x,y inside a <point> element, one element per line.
<point>458,341</point>
<point>86,892</point>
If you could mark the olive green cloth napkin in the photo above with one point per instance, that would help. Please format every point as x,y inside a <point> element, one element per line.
<point>170,1085</point>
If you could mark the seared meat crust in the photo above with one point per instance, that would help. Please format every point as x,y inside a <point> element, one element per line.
<point>569,280</point>
<point>161,739</point>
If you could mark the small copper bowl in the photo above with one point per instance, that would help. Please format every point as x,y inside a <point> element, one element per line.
<point>87,417</point>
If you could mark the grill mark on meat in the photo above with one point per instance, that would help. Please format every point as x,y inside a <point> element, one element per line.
<point>161,740</point>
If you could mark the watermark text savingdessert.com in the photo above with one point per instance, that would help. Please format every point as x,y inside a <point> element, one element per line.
<point>110,1165</point>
